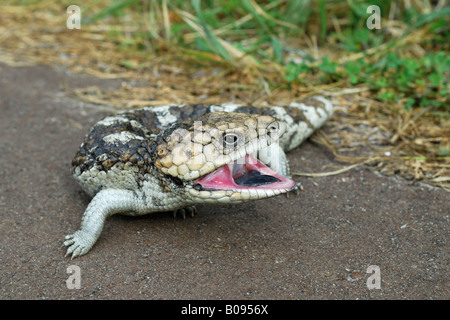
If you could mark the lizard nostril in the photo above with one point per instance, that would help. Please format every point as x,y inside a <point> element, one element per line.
<point>198,187</point>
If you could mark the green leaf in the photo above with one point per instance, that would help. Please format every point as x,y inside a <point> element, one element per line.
<point>353,69</point>
<point>293,70</point>
<point>411,65</point>
<point>420,82</point>
<point>327,65</point>
<point>435,79</point>
<point>386,96</point>
<point>409,103</point>
<point>381,82</point>
<point>392,61</point>
<point>424,102</point>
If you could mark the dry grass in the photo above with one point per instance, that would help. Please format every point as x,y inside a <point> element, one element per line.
<point>363,131</point>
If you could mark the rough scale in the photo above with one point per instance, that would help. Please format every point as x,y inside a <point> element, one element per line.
<point>173,157</point>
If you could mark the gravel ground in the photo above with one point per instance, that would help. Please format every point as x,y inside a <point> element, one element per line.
<point>318,245</point>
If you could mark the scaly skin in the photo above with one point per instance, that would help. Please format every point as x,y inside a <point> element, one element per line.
<point>173,157</point>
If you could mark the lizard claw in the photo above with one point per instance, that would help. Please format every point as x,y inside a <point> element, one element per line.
<point>179,211</point>
<point>295,190</point>
<point>77,244</point>
<point>192,210</point>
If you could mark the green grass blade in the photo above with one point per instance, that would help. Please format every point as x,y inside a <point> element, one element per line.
<point>323,19</point>
<point>213,41</point>
<point>277,50</point>
<point>428,17</point>
<point>297,12</point>
<point>249,7</point>
<point>112,9</point>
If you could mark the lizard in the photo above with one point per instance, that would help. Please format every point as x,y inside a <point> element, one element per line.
<point>174,157</point>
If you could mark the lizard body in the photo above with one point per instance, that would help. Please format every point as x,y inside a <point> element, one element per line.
<point>173,157</point>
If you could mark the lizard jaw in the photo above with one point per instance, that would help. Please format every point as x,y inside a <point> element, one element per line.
<point>244,174</point>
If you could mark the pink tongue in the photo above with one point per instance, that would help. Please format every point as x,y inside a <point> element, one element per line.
<point>222,178</point>
<point>219,179</point>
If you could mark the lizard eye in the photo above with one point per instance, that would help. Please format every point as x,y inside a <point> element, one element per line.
<point>272,129</point>
<point>230,140</point>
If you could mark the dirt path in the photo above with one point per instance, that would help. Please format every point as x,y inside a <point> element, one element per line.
<point>315,246</point>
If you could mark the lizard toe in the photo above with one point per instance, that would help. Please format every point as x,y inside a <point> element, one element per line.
<point>192,210</point>
<point>295,190</point>
<point>77,244</point>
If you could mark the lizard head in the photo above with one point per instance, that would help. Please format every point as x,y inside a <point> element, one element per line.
<point>215,157</point>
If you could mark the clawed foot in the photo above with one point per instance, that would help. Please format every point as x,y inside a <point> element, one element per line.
<point>296,190</point>
<point>78,244</point>
<point>192,210</point>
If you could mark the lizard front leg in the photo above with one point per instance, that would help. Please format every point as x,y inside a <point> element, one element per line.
<point>104,204</point>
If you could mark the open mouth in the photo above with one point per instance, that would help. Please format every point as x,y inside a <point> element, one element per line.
<point>244,173</point>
